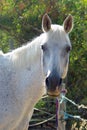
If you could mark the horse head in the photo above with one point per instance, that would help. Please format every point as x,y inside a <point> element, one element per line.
<point>56,48</point>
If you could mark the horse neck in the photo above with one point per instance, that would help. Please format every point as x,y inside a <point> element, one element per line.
<point>30,59</point>
<point>27,60</point>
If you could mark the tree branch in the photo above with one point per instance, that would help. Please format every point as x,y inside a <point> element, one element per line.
<point>4,28</point>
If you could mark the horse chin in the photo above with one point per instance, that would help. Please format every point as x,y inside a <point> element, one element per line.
<point>53,94</point>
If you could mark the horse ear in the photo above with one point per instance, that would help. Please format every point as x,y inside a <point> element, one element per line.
<point>68,24</point>
<point>46,23</point>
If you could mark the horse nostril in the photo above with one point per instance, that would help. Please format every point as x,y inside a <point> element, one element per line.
<point>60,81</point>
<point>47,81</point>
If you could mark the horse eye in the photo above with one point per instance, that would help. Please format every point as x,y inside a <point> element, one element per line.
<point>68,48</point>
<point>43,47</point>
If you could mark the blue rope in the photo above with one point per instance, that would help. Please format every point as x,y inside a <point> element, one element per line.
<point>62,99</point>
<point>70,101</point>
<point>68,116</point>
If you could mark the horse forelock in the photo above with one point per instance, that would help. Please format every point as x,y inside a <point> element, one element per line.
<point>57,34</point>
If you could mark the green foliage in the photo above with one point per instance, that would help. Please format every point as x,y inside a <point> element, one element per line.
<point>20,21</point>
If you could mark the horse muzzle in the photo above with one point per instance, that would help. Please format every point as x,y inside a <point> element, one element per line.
<point>53,84</point>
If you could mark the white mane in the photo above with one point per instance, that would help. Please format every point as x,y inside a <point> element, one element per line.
<point>26,54</point>
<point>57,32</point>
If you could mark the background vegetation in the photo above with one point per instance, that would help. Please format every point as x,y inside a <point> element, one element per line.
<point>20,21</point>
